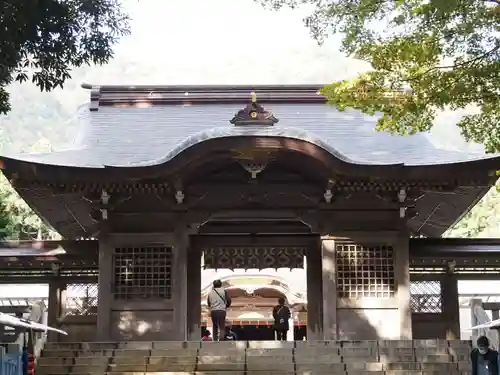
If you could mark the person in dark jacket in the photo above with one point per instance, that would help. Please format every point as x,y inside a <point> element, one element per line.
<point>230,335</point>
<point>281,315</point>
<point>484,360</point>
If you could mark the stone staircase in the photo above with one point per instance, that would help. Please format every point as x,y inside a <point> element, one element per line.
<point>417,357</point>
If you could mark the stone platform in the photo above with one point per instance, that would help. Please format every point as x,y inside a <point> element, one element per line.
<point>417,357</point>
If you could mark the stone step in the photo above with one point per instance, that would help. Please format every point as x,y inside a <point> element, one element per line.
<point>89,369</point>
<point>52,369</point>
<point>303,370</point>
<point>238,366</point>
<point>132,353</point>
<point>55,361</point>
<point>168,359</point>
<point>399,357</point>
<point>280,373</point>
<point>425,344</point>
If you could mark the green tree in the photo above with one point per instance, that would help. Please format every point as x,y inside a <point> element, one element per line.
<point>17,220</point>
<point>482,221</point>
<point>426,56</point>
<point>42,40</point>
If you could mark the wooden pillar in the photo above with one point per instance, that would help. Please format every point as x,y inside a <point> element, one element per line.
<point>291,333</point>
<point>314,272</point>
<point>57,305</point>
<point>194,293</point>
<point>402,278</point>
<point>495,314</point>
<point>329,282</point>
<point>180,281</point>
<point>105,290</point>
<point>451,307</point>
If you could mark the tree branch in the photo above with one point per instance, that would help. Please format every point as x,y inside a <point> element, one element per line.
<point>454,66</point>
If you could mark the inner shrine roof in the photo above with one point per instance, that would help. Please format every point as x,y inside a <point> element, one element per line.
<point>125,128</point>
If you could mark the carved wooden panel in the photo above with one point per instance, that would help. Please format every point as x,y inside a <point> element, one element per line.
<point>142,272</point>
<point>259,257</point>
<point>365,271</point>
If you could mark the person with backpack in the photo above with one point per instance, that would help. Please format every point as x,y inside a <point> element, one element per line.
<point>218,301</point>
<point>281,315</point>
<point>484,360</point>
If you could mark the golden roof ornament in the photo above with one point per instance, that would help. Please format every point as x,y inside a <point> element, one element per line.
<point>254,114</point>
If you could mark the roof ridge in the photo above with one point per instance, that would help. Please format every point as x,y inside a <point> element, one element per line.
<point>202,88</point>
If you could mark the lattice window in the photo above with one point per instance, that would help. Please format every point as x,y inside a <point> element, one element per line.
<point>142,272</point>
<point>81,299</point>
<point>425,296</point>
<point>365,271</point>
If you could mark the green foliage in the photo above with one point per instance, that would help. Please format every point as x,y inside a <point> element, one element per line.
<point>17,220</point>
<point>482,221</point>
<point>42,40</point>
<point>426,56</point>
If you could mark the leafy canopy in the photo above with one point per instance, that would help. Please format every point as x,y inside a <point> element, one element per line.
<point>41,40</point>
<point>426,56</point>
<point>17,220</point>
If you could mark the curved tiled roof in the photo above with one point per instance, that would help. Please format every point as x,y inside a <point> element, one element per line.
<point>149,126</point>
<point>133,136</point>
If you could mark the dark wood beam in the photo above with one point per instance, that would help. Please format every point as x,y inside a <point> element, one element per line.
<point>258,240</point>
<point>202,216</point>
<point>69,246</point>
<point>478,276</point>
<point>469,262</point>
<point>437,256</point>
<point>251,214</point>
<point>48,279</point>
<point>254,228</point>
<point>491,305</point>
<point>454,246</point>
<point>324,221</point>
<point>66,261</point>
<point>9,309</point>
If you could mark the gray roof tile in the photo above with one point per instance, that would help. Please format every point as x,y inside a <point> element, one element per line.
<point>135,136</point>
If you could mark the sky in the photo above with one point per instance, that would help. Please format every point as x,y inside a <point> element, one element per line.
<point>224,42</point>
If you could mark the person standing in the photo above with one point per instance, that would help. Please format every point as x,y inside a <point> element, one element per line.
<point>281,315</point>
<point>218,301</point>
<point>484,360</point>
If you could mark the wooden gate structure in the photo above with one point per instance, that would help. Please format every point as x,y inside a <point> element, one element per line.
<point>162,174</point>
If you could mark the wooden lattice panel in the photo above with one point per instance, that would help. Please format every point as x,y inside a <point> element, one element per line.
<point>142,272</point>
<point>425,296</point>
<point>259,257</point>
<point>365,271</point>
<point>82,299</point>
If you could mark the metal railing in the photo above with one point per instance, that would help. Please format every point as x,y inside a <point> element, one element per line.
<point>11,360</point>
